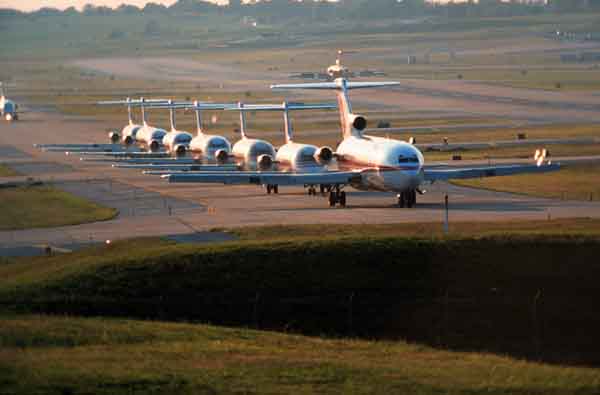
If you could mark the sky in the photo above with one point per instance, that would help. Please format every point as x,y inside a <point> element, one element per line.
<point>29,5</point>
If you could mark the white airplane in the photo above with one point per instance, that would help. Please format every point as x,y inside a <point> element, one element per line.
<point>251,153</point>
<point>176,142</point>
<point>127,137</point>
<point>211,147</point>
<point>365,162</point>
<point>8,108</point>
<point>337,70</point>
<point>148,136</point>
<point>293,156</point>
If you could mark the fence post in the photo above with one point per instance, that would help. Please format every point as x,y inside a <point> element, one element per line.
<point>536,325</point>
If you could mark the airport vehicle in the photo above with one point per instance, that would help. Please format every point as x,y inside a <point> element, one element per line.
<point>8,108</point>
<point>365,162</point>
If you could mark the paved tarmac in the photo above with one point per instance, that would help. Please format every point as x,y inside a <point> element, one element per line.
<point>149,206</point>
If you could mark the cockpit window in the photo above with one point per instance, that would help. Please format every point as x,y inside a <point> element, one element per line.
<point>408,159</point>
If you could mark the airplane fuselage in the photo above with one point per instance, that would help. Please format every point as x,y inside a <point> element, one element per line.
<point>388,165</point>
<point>210,147</point>
<point>129,133</point>
<point>297,157</point>
<point>177,141</point>
<point>247,152</point>
<point>8,109</point>
<point>150,136</point>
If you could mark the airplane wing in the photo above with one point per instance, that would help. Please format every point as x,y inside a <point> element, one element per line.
<point>335,85</point>
<point>443,174</point>
<point>265,178</point>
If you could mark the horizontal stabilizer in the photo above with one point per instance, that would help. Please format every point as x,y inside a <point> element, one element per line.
<point>283,107</point>
<point>132,102</point>
<point>338,84</point>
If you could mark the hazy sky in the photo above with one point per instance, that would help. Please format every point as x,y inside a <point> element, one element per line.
<point>28,5</point>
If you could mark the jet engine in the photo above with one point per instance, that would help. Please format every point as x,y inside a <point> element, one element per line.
<point>324,155</point>
<point>264,162</point>
<point>154,146</point>
<point>221,156</point>
<point>358,122</point>
<point>114,137</point>
<point>180,150</point>
<point>128,140</point>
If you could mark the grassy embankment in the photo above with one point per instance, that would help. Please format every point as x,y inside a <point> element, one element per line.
<point>42,206</point>
<point>110,356</point>
<point>575,182</point>
<point>464,292</point>
<point>470,292</point>
<point>6,171</point>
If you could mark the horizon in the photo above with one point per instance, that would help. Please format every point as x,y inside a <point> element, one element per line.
<point>33,5</point>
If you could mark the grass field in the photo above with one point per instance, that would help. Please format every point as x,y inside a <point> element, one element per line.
<point>42,206</point>
<point>577,182</point>
<point>465,293</point>
<point>6,171</point>
<point>110,356</point>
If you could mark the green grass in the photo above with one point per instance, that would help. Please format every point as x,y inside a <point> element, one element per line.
<point>587,227</point>
<point>6,171</point>
<point>43,206</point>
<point>557,150</point>
<point>575,182</point>
<point>42,354</point>
<point>461,293</point>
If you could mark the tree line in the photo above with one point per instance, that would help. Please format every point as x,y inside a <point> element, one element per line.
<point>325,10</point>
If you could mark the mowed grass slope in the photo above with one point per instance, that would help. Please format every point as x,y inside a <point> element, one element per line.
<point>573,182</point>
<point>463,294</point>
<point>6,171</point>
<point>43,206</point>
<point>42,354</point>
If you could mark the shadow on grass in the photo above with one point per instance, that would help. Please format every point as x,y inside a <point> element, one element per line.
<point>532,298</point>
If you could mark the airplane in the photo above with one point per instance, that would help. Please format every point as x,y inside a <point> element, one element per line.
<point>176,142</point>
<point>8,108</point>
<point>365,162</point>
<point>120,145</point>
<point>148,136</point>
<point>211,147</point>
<point>290,157</point>
<point>293,156</point>
<point>337,70</point>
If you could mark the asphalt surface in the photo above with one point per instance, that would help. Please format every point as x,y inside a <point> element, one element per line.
<point>149,206</point>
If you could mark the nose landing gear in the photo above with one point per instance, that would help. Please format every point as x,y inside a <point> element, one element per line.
<point>337,197</point>
<point>272,188</point>
<point>407,199</point>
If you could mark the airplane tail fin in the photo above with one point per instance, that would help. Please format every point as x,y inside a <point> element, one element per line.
<point>351,124</point>
<point>129,112</point>
<point>242,119</point>
<point>198,118</point>
<point>142,103</point>
<point>285,107</point>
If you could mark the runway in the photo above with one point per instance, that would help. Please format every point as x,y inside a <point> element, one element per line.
<point>149,206</point>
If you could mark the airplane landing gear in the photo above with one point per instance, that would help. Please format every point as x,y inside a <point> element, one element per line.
<point>312,191</point>
<point>272,188</point>
<point>337,197</point>
<point>407,199</point>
